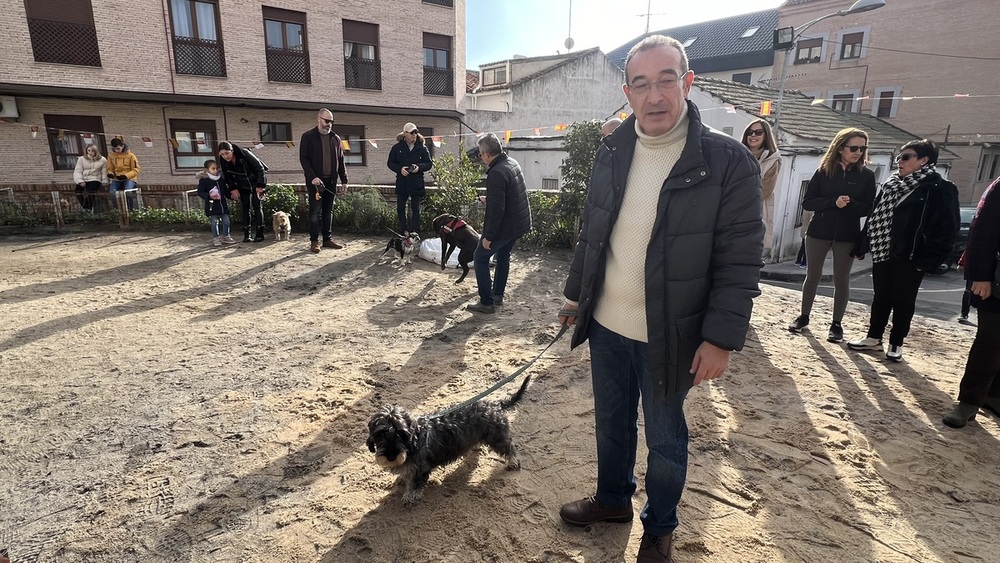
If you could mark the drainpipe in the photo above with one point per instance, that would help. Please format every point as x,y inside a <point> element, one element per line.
<point>166,38</point>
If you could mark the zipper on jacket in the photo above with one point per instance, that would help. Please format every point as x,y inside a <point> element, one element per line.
<point>920,225</point>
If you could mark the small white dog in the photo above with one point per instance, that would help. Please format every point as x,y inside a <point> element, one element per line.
<point>281,224</point>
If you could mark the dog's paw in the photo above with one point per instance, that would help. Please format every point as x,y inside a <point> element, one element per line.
<point>513,464</point>
<point>411,497</point>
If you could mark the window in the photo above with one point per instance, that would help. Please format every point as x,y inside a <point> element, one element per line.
<point>194,142</point>
<point>63,32</point>
<point>809,51</point>
<point>843,102</point>
<point>353,134</point>
<point>197,37</point>
<point>988,168</point>
<point>687,43</point>
<point>286,46</point>
<point>274,132</point>
<point>69,136</point>
<point>449,3</point>
<point>742,77</point>
<point>428,132</point>
<point>362,68</point>
<point>885,100</point>
<point>438,75</point>
<point>750,32</point>
<point>850,45</point>
<point>550,184</point>
<point>495,75</point>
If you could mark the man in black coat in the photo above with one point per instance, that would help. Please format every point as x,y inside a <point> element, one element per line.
<point>409,159</point>
<point>322,158</point>
<point>508,218</point>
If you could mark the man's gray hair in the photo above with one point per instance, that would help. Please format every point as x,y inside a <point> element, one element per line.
<point>652,42</point>
<point>490,144</point>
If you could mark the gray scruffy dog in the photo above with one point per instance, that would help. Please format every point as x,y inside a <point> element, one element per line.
<point>413,447</point>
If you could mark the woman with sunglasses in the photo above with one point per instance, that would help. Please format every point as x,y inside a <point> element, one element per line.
<point>911,231</point>
<point>839,194</point>
<point>758,138</point>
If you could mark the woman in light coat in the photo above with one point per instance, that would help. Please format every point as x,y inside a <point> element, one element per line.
<point>758,138</point>
<point>89,176</point>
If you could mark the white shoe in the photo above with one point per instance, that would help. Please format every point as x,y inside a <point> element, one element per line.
<point>895,353</point>
<point>228,240</point>
<point>217,241</point>
<point>867,343</point>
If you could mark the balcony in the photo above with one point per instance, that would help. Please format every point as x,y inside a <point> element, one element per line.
<point>284,65</point>
<point>66,43</point>
<point>199,56</point>
<point>439,81</point>
<point>362,73</point>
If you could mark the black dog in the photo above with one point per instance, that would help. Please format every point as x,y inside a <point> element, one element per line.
<point>413,447</point>
<point>455,232</point>
<point>403,247</point>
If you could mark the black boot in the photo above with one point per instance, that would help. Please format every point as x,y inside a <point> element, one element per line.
<point>260,234</point>
<point>246,234</point>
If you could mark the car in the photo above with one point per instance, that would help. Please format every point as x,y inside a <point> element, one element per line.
<point>966,215</point>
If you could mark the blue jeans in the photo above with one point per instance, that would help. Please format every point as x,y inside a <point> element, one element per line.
<point>414,223</point>
<point>117,185</point>
<point>216,220</point>
<point>481,261</point>
<point>620,372</point>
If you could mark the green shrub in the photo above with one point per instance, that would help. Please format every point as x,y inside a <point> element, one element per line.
<point>151,217</point>
<point>279,197</point>
<point>456,177</point>
<point>548,226</point>
<point>363,212</point>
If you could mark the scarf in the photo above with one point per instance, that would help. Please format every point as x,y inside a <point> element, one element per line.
<point>880,222</point>
<point>214,176</point>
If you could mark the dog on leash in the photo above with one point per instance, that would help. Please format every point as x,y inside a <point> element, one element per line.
<point>456,233</point>
<point>282,225</point>
<point>412,446</point>
<point>403,247</point>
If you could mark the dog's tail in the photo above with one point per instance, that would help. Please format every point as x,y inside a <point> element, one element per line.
<point>513,399</point>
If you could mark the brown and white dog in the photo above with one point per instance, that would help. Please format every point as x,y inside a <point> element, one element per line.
<point>456,233</point>
<point>282,225</point>
<point>412,446</point>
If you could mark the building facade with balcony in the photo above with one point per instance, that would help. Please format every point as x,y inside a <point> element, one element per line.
<point>172,78</point>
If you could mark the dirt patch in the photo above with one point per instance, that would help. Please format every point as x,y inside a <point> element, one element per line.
<point>170,401</point>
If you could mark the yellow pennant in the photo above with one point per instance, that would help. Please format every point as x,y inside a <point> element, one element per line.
<point>765,107</point>
<point>289,144</point>
<point>623,115</point>
<point>561,127</point>
<point>506,135</point>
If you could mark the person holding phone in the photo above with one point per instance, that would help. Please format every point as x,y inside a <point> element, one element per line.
<point>409,159</point>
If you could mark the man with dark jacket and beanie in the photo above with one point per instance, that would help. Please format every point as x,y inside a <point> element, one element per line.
<point>508,218</point>
<point>662,284</point>
<point>246,179</point>
<point>409,159</point>
<point>322,158</point>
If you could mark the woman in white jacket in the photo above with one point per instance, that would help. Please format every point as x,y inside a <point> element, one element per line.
<point>758,138</point>
<point>89,174</point>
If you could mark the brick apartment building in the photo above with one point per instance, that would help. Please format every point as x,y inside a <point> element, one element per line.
<point>905,63</point>
<point>188,73</point>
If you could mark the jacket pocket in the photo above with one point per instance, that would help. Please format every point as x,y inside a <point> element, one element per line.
<point>685,338</point>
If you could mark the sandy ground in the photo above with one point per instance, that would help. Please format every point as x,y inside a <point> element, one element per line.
<point>164,400</point>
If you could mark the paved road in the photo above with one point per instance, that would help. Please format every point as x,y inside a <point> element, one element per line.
<point>940,297</point>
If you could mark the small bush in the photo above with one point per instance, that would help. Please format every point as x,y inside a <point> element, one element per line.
<point>279,197</point>
<point>364,212</point>
<point>150,217</point>
<point>457,177</point>
<point>548,226</point>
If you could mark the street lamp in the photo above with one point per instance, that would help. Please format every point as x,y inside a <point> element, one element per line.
<point>786,37</point>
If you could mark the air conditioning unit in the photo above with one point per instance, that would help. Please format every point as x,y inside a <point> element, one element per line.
<point>8,108</point>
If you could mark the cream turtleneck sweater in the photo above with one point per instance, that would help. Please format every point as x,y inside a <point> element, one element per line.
<point>622,305</point>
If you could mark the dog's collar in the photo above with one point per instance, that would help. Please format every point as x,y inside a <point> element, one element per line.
<point>453,225</point>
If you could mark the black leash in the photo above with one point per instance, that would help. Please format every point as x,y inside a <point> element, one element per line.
<point>502,382</point>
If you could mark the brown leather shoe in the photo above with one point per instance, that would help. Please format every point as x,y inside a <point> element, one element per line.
<point>654,549</point>
<point>330,244</point>
<point>314,246</point>
<point>586,511</point>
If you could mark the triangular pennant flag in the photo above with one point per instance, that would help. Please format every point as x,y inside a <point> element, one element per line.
<point>34,131</point>
<point>258,145</point>
<point>147,141</point>
<point>561,127</point>
<point>506,135</point>
<point>173,143</point>
<point>199,142</point>
<point>60,135</point>
<point>623,115</point>
<point>537,131</point>
<point>345,144</point>
<point>907,98</point>
<point>765,107</point>
<point>436,140</point>
<point>289,144</point>
<point>817,102</point>
<point>730,108</point>
<point>864,98</point>
<point>373,143</point>
<point>961,95</point>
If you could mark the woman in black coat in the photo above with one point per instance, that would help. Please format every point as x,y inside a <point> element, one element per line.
<point>409,159</point>
<point>839,194</point>
<point>245,177</point>
<point>980,386</point>
<point>911,230</point>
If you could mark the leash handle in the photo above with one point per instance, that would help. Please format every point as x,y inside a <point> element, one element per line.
<point>503,381</point>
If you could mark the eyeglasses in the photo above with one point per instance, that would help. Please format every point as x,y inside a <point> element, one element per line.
<point>755,133</point>
<point>663,85</point>
<point>905,156</point>
<point>328,121</point>
<point>856,148</point>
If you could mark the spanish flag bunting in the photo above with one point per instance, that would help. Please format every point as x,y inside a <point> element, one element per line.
<point>765,107</point>
<point>147,141</point>
<point>257,145</point>
<point>436,139</point>
<point>538,131</point>
<point>60,135</point>
<point>173,143</point>
<point>289,144</point>
<point>345,144</point>
<point>506,135</point>
<point>623,115</point>
<point>561,127</point>
<point>373,143</point>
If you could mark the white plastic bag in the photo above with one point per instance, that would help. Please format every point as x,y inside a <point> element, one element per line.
<point>430,250</point>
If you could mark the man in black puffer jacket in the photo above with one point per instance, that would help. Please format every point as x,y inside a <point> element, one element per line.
<point>508,218</point>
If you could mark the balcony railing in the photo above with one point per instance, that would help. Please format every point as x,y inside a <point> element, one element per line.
<point>199,56</point>
<point>439,81</point>
<point>284,65</point>
<point>362,73</point>
<point>449,3</point>
<point>66,43</point>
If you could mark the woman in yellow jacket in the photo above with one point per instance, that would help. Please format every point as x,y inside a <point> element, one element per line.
<point>123,170</point>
